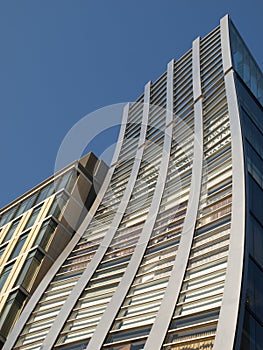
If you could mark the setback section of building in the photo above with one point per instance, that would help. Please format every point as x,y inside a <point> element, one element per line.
<point>35,228</point>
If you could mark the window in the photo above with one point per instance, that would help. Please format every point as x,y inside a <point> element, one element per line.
<point>63,181</point>
<point>45,233</point>
<point>45,192</point>
<point>32,218</point>
<point>253,129</point>
<point>137,345</point>
<point>245,65</point>
<point>11,311</point>
<point>256,199</point>
<point>4,275</point>
<point>2,249</point>
<point>80,346</point>
<point>255,287</point>
<point>254,165</point>
<point>11,231</point>
<point>18,246</point>
<point>28,273</point>
<point>129,333</point>
<point>7,216</point>
<point>252,337</point>
<point>58,205</point>
<point>256,240</point>
<point>26,204</point>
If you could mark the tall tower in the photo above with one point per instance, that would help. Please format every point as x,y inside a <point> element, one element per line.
<point>170,254</point>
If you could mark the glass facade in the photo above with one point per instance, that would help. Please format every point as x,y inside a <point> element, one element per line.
<point>33,234</point>
<point>246,65</point>
<point>251,116</point>
<point>152,268</point>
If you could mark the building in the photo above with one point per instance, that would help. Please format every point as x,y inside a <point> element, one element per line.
<point>170,255</point>
<point>35,229</point>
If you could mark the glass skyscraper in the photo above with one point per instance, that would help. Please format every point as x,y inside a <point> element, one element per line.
<point>170,255</point>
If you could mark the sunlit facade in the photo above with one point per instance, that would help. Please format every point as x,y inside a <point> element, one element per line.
<point>35,228</point>
<point>170,255</point>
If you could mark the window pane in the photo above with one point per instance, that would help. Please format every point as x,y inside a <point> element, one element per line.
<point>45,192</point>
<point>63,181</point>
<point>7,216</point>
<point>45,234</point>
<point>28,273</point>
<point>32,218</point>
<point>18,247</point>
<point>5,275</point>
<point>26,204</point>
<point>11,311</point>
<point>11,231</point>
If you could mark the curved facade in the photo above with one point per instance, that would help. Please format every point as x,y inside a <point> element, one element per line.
<point>163,259</point>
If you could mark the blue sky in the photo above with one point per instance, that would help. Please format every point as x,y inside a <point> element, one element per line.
<point>62,59</point>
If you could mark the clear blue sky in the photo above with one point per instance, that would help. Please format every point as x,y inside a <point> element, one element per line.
<point>62,59</point>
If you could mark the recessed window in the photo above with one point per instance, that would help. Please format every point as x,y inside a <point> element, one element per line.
<point>45,233</point>
<point>5,274</point>
<point>11,230</point>
<point>18,246</point>
<point>32,218</point>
